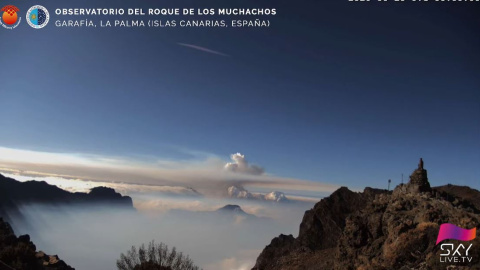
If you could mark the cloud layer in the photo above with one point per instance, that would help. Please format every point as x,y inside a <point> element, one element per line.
<point>158,186</point>
<point>210,176</point>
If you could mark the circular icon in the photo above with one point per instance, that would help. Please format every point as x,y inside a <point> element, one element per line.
<point>38,17</point>
<point>10,17</point>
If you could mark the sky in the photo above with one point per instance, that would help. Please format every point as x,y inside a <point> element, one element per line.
<point>333,92</point>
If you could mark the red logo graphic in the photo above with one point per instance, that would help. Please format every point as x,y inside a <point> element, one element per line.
<point>10,16</point>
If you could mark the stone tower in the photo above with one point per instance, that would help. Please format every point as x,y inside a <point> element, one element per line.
<point>419,180</point>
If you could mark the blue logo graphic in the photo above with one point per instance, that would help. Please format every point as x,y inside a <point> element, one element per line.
<point>38,17</point>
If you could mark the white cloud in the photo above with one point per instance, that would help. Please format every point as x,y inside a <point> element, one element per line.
<point>243,260</point>
<point>161,205</point>
<point>240,165</point>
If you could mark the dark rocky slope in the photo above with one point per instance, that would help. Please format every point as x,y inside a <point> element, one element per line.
<point>377,229</point>
<point>20,253</point>
<point>460,194</point>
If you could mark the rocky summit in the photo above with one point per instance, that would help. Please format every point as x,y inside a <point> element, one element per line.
<point>378,229</point>
<point>418,180</point>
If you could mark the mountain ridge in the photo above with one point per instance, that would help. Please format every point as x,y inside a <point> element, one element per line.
<point>14,194</point>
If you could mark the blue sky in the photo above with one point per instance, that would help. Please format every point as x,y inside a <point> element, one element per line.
<point>346,93</point>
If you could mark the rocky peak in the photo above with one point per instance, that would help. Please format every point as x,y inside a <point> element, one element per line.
<point>327,218</point>
<point>418,181</point>
<point>104,192</point>
<point>377,229</point>
<point>235,210</point>
<point>231,207</point>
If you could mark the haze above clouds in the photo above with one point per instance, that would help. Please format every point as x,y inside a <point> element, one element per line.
<point>210,176</point>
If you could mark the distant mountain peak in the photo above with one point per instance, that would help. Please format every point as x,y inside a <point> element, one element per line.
<point>232,208</point>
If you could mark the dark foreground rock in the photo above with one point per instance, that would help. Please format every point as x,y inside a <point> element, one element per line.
<point>20,253</point>
<point>377,229</point>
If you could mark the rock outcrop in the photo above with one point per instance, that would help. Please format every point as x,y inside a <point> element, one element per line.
<point>20,253</point>
<point>419,180</point>
<point>376,229</point>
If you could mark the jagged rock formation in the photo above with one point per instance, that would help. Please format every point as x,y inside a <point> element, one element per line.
<point>376,229</point>
<point>327,219</point>
<point>20,253</point>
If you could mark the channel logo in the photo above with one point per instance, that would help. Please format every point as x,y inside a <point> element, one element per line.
<point>450,231</point>
<point>37,17</point>
<point>455,253</point>
<point>10,19</point>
